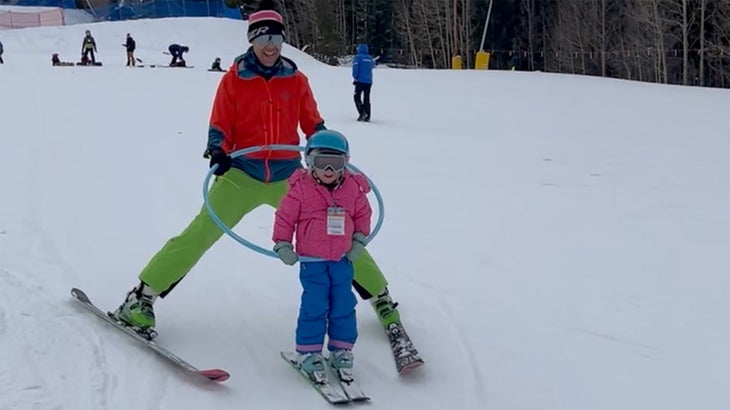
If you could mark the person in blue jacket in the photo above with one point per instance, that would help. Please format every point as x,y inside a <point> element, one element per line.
<point>362,75</point>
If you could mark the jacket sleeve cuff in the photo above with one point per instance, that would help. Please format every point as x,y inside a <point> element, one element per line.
<point>360,238</point>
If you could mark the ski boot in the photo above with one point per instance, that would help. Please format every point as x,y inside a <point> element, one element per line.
<point>313,365</point>
<point>341,362</point>
<point>386,309</point>
<point>137,313</point>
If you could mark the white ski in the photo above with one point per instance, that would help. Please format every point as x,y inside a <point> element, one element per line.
<point>333,393</point>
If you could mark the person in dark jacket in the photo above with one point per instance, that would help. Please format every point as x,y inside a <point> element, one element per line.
<point>56,61</point>
<point>216,66</point>
<point>362,75</point>
<point>88,46</point>
<point>1,53</point>
<point>130,45</point>
<point>176,51</point>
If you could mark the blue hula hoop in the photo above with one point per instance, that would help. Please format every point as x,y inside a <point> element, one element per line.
<point>259,249</point>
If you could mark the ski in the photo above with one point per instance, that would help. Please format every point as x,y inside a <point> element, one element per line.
<point>216,375</point>
<point>404,352</point>
<point>348,383</point>
<point>333,393</point>
<point>162,66</point>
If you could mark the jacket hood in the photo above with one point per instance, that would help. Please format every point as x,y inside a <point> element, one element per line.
<point>363,49</point>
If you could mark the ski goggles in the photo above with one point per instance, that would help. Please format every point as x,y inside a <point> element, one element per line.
<point>275,39</point>
<point>321,162</point>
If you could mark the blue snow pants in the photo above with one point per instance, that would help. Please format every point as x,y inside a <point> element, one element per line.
<point>327,306</point>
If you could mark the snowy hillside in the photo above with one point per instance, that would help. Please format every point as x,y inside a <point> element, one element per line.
<point>555,242</point>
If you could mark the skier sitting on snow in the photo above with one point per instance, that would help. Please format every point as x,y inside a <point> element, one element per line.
<point>56,61</point>
<point>176,51</point>
<point>216,65</point>
<point>335,233</point>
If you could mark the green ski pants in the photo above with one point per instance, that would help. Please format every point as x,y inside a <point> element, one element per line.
<point>232,196</point>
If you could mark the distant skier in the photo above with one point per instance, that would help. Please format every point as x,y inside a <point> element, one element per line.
<point>88,46</point>
<point>327,210</point>
<point>216,65</point>
<point>56,61</point>
<point>130,45</point>
<point>176,51</point>
<point>362,74</point>
<point>515,62</point>
<point>1,53</point>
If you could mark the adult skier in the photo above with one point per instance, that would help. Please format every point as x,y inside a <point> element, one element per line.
<point>261,100</point>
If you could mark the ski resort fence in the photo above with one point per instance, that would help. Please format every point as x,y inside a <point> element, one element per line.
<point>14,19</point>
<point>131,10</point>
<point>140,9</point>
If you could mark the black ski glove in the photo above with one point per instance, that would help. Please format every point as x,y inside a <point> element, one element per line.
<point>220,158</point>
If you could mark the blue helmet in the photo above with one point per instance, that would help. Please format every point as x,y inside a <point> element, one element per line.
<point>329,140</point>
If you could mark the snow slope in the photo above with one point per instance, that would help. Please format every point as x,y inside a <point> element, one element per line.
<point>555,242</point>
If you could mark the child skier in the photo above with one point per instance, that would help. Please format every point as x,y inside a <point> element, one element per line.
<point>327,207</point>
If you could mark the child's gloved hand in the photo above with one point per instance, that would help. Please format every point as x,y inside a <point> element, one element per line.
<point>285,252</point>
<point>358,245</point>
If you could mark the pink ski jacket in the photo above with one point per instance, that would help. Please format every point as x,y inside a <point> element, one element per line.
<point>305,207</point>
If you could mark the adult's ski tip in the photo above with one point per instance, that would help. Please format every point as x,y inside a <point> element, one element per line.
<point>411,367</point>
<point>216,375</point>
<point>80,295</point>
